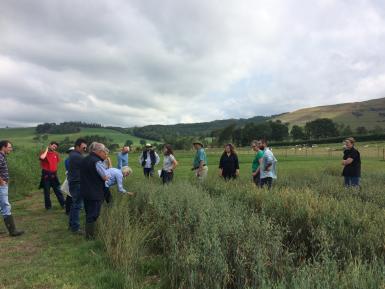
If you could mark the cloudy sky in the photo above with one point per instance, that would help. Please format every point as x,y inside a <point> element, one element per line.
<point>138,62</point>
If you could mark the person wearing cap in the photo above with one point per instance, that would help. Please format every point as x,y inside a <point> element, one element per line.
<point>73,176</point>
<point>122,157</point>
<point>148,159</point>
<point>200,161</point>
<point>49,160</point>
<point>351,163</point>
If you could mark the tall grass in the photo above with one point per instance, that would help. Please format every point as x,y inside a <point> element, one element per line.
<point>232,235</point>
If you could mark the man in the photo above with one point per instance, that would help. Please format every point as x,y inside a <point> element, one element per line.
<point>49,160</point>
<point>92,182</point>
<point>74,160</point>
<point>122,157</point>
<point>255,167</point>
<point>200,161</point>
<point>115,177</point>
<point>5,206</point>
<point>267,165</point>
<point>148,160</point>
<point>352,164</point>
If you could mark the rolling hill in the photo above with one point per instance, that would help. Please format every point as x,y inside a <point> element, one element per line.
<point>370,114</point>
<point>24,136</point>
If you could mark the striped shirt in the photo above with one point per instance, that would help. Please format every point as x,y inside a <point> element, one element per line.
<point>3,168</point>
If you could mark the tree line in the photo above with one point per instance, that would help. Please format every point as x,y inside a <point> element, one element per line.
<point>64,127</point>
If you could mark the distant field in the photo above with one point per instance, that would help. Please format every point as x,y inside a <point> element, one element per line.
<point>24,136</point>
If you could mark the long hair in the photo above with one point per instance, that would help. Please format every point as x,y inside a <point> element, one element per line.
<point>169,150</point>
<point>232,149</point>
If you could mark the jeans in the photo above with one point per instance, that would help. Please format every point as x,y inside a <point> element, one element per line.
<point>148,172</point>
<point>352,181</point>
<point>5,206</point>
<point>257,180</point>
<point>267,181</point>
<point>92,208</point>
<point>77,205</point>
<point>68,204</point>
<point>167,176</point>
<point>56,188</point>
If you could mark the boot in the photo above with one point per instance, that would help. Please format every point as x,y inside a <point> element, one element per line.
<point>90,231</point>
<point>10,224</point>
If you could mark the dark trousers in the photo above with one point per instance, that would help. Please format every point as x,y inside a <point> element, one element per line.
<point>267,181</point>
<point>257,180</point>
<point>77,205</point>
<point>68,204</point>
<point>167,177</point>
<point>47,184</point>
<point>352,181</point>
<point>92,209</point>
<point>107,195</point>
<point>148,172</point>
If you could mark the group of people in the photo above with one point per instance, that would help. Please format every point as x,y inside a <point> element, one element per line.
<point>90,175</point>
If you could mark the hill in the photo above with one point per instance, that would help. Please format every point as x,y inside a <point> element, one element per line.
<point>157,132</point>
<point>25,136</point>
<point>370,114</point>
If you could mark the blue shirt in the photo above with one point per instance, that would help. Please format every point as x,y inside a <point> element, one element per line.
<point>115,176</point>
<point>122,160</point>
<point>268,159</point>
<point>200,156</point>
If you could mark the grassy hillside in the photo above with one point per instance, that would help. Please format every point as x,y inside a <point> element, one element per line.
<point>24,136</point>
<point>369,114</point>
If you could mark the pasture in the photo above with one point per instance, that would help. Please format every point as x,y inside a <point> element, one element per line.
<point>307,232</point>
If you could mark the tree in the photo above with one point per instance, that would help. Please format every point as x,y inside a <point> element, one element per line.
<point>297,133</point>
<point>321,128</point>
<point>226,135</point>
<point>128,143</point>
<point>346,131</point>
<point>279,131</point>
<point>361,130</point>
<point>142,142</point>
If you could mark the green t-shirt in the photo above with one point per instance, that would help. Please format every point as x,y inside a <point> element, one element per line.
<point>255,164</point>
<point>200,156</point>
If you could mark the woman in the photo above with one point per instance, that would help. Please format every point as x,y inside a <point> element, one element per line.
<point>169,164</point>
<point>228,164</point>
<point>352,164</point>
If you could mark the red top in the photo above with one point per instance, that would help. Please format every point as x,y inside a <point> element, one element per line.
<point>50,162</point>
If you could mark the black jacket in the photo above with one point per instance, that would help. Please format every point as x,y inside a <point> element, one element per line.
<point>229,165</point>
<point>91,183</point>
<point>353,169</point>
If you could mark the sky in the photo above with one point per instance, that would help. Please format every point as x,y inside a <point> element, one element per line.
<point>138,62</point>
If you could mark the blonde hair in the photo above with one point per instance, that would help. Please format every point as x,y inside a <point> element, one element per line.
<point>126,170</point>
<point>351,140</point>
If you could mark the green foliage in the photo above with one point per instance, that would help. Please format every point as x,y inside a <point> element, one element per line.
<point>297,133</point>
<point>321,128</point>
<point>128,143</point>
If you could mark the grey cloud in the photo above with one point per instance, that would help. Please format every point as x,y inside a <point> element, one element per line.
<point>140,62</point>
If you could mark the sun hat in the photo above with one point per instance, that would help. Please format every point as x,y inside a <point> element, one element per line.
<point>197,142</point>
<point>148,145</point>
<point>70,150</point>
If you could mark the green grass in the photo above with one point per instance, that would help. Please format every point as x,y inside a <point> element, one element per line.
<point>49,256</point>
<point>308,232</point>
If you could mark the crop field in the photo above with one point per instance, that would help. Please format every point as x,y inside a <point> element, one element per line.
<point>307,232</point>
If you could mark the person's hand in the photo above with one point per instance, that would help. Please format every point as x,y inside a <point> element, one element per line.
<point>237,172</point>
<point>343,162</point>
<point>3,183</point>
<point>129,193</point>
<point>254,174</point>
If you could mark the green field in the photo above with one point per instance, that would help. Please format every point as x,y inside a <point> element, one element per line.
<point>24,136</point>
<point>307,232</point>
